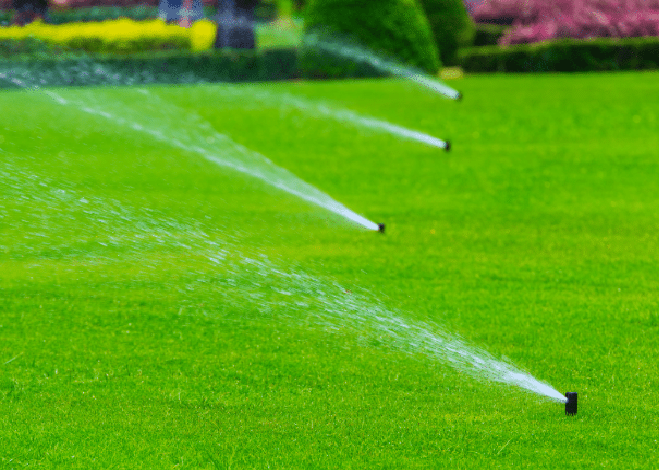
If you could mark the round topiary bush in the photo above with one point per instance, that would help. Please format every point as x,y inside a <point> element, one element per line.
<point>341,34</point>
<point>451,25</point>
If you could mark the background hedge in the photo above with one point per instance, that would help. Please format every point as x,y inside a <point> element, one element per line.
<point>568,55</point>
<point>488,34</point>
<point>396,29</point>
<point>265,11</point>
<point>451,26</point>
<point>159,67</point>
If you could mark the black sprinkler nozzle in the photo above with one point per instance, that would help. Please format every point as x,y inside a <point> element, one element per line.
<point>459,97</point>
<point>571,403</point>
<point>448,146</point>
<point>381,228</point>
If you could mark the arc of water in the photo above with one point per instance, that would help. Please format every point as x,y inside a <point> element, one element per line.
<point>363,55</point>
<point>347,116</point>
<point>239,158</point>
<point>234,156</point>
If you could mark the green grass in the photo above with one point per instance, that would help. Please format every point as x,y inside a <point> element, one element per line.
<point>123,346</point>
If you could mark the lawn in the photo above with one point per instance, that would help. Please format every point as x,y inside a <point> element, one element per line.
<point>158,310</point>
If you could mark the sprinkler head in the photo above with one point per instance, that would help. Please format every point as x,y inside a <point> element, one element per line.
<point>459,97</point>
<point>448,146</point>
<point>381,228</point>
<point>571,404</point>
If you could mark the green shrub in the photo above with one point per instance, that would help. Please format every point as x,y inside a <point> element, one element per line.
<point>488,34</point>
<point>299,5</point>
<point>70,69</point>
<point>30,47</point>
<point>5,17</point>
<point>566,55</point>
<point>394,29</point>
<point>266,10</point>
<point>451,25</point>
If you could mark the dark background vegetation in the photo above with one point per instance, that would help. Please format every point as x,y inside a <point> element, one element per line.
<point>479,36</point>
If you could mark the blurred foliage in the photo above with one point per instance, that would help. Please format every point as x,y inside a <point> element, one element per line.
<point>85,14</point>
<point>116,36</point>
<point>397,29</point>
<point>452,26</point>
<point>28,47</point>
<point>542,20</point>
<point>567,55</point>
<point>300,5</point>
<point>166,67</point>
<point>266,10</point>
<point>488,34</point>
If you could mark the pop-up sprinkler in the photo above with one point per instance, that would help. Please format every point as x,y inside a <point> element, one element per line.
<point>571,403</point>
<point>381,228</point>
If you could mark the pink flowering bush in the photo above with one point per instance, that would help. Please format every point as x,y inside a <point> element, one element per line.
<point>541,20</point>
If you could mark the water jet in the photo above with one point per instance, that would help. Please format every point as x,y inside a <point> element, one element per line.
<point>329,42</point>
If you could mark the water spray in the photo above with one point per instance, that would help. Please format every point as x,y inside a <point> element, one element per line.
<point>224,152</point>
<point>324,304</point>
<point>571,403</point>
<point>361,313</point>
<point>363,55</point>
<point>341,115</point>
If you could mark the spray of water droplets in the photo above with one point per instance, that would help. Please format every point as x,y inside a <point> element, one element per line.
<point>227,276</point>
<point>294,295</point>
<point>195,139</point>
<point>222,151</point>
<point>329,305</point>
<point>366,56</point>
<point>341,115</point>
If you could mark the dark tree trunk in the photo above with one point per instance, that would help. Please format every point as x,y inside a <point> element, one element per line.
<point>235,24</point>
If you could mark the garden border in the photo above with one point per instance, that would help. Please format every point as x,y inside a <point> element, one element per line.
<point>566,55</point>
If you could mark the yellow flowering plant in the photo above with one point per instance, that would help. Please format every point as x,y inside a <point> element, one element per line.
<point>116,36</point>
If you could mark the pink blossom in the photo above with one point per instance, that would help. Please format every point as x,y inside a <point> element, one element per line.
<point>540,20</point>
